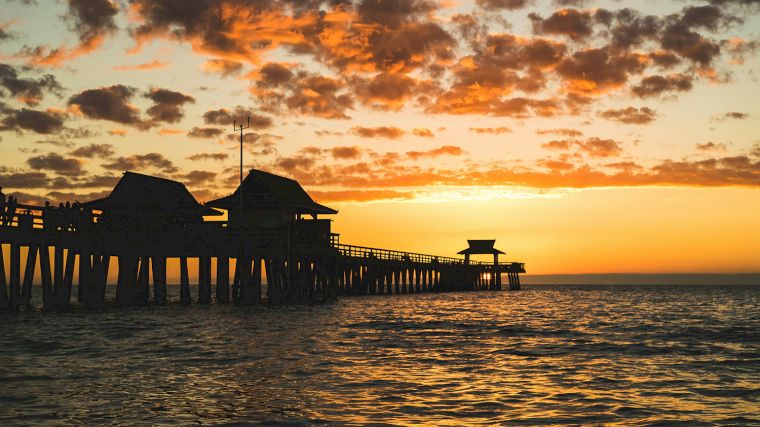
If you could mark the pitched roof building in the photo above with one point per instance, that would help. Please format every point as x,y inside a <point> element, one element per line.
<point>146,197</point>
<point>267,191</point>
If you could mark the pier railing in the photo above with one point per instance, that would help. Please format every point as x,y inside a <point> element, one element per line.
<point>55,219</point>
<point>392,255</point>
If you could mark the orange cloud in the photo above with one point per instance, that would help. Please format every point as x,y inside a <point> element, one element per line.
<point>152,65</point>
<point>493,131</point>
<point>423,132</point>
<point>390,132</point>
<point>450,150</point>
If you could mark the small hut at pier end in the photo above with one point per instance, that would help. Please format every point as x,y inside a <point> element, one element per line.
<point>485,247</point>
<point>149,202</point>
<point>271,202</point>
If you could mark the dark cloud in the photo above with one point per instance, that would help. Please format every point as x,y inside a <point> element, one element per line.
<point>630,115</point>
<point>657,85</point>
<point>44,122</point>
<point>101,151</point>
<point>167,105</point>
<point>390,132</point>
<point>297,162</point>
<point>629,29</point>
<point>573,23</point>
<point>209,156</point>
<point>346,152</point>
<point>240,115</point>
<point>711,146</point>
<point>385,91</point>
<point>314,95</point>
<point>274,74</point>
<point>503,4</point>
<point>599,70</point>
<point>93,19</point>
<point>109,103</point>
<point>28,90</point>
<point>706,16</point>
<point>139,162</point>
<point>206,133</point>
<point>731,115</point>
<point>393,13</point>
<point>679,38</point>
<point>23,179</point>
<point>56,163</point>
<point>198,177</point>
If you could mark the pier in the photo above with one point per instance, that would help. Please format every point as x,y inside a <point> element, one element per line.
<point>271,247</point>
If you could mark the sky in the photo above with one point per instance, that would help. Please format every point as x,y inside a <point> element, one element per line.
<point>584,136</point>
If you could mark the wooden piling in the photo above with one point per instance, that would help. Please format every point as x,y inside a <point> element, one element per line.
<point>184,282</point>
<point>223,279</point>
<point>159,280</point>
<point>204,279</point>
<point>4,300</point>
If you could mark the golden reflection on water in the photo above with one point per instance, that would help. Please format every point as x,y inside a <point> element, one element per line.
<point>544,356</point>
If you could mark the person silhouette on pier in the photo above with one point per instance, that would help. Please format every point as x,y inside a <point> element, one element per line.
<point>2,206</point>
<point>47,216</point>
<point>10,210</point>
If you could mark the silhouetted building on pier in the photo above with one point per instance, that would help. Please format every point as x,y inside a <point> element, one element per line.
<point>150,202</point>
<point>274,202</point>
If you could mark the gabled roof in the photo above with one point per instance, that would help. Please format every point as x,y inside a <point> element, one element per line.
<point>137,192</point>
<point>266,190</point>
<point>480,247</point>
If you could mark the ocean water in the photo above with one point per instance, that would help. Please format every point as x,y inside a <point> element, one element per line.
<point>548,355</point>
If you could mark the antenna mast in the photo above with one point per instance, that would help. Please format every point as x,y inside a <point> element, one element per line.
<point>240,129</point>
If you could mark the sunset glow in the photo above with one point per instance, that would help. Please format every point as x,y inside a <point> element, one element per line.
<point>584,136</point>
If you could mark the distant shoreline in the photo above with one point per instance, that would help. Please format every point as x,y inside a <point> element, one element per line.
<point>641,279</point>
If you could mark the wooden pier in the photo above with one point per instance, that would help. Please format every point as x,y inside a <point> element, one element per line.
<point>276,251</point>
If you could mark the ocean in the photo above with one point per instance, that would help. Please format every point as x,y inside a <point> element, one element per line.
<point>548,355</point>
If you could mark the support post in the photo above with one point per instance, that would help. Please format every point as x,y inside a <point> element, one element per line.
<point>204,279</point>
<point>184,282</point>
<point>159,280</point>
<point>223,279</point>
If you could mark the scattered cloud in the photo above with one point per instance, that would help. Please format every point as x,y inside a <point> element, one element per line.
<point>630,115</point>
<point>110,103</point>
<point>28,90</point>
<point>711,146</point>
<point>390,132</point>
<point>43,122</point>
<point>561,132</point>
<point>145,66</point>
<point>593,147</point>
<point>209,156</point>
<point>167,105</point>
<point>423,132</point>
<point>56,163</point>
<point>101,151</point>
<point>449,150</point>
<point>206,133</point>
<point>140,162</point>
<point>493,131</point>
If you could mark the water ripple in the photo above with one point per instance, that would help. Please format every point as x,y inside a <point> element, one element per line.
<point>645,356</point>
